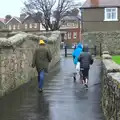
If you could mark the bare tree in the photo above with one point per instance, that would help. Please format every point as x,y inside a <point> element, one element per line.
<point>7,18</point>
<point>44,11</point>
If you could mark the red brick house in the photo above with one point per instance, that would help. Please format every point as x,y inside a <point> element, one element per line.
<point>71,30</point>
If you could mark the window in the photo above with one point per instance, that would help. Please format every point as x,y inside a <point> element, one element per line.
<point>14,27</point>
<point>35,25</point>
<point>64,24</point>
<point>110,14</point>
<point>30,25</point>
<point>26,26</point>
<point>75,35</point>
<point>65,36</point>
<point>75,24</point>
<point>70,24</point>
<point>18,27</point>
<point>69,35</point>
<point>10,27</point>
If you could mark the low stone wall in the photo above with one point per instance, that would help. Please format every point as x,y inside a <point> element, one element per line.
<point>109,41</point>
<point>111,88</point>
<point>7,33</point>
<point>4,34</point>
<point>47,34</point>
<point>16,58</point>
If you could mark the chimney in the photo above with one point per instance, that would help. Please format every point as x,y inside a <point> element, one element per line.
<point>94,3</point>
<point>22,16</point>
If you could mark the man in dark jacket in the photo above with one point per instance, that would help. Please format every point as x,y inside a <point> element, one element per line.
<point>85,60</point>
<point>41,59</point>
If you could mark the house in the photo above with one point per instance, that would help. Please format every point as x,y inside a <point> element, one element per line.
<point>2,24</point>
<point>23,23</point>
<point>30,24</point>
<point>14,24</point>
<point>70,30</point>
<point>100,15</point>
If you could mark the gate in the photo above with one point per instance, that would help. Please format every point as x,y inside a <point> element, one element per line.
<point>68,51</point>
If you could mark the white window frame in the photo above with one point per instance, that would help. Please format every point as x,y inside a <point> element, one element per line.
<point>74,35</point>
<point>70,24</point>
<point>65,36</point>
<point>73,24</point>
<point>26,26</point>
<point>110,13</point>
<point>35,25</point>
<point>30,25</point>
<point>69,35</point>
<point>14,27</point>
<point>10,27</point>
<point>18,27</point>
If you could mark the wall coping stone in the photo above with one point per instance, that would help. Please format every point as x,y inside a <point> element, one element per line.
<point>111,66</point>
<point>96,32</point>
<point>106,56</point>
<point>21,37</point>
<point>105,52</point>
<point>115,76</point>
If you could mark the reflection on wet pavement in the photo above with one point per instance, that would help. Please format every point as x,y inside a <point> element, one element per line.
<point>62,99</point>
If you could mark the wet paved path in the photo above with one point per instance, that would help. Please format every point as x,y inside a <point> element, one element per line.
<point>62,99</point>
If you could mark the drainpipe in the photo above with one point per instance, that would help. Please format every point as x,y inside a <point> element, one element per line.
<point>81,30</point>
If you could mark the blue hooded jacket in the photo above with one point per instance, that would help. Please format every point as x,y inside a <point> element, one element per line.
<point>76,53</point>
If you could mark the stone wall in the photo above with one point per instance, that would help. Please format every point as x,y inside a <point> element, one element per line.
<point>4,34</point>
<point>7,33</point>
<point>109,41</point>
<point>16,58</point>
<point>110,88</point>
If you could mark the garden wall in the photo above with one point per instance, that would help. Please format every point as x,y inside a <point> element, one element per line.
<point>109,41</point>
<point>110,88</point>
<point>16,58</point>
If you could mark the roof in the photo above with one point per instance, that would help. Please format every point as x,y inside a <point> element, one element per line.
<point>2,20</point>
<point>71,18</point>
<point>101,3</point>
<point>15,19</point>
<point>29,17</point>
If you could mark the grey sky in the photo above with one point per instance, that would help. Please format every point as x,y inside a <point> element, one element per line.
<point>13,7</point>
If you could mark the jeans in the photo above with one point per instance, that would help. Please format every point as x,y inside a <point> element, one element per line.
<point>40,78</point>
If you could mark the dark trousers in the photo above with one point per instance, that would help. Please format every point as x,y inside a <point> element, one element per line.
<point>85,73</point>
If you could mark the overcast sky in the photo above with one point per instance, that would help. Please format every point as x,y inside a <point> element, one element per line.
<point>13,7</point>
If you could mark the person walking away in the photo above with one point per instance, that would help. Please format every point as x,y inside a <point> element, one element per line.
<point>76,53</point>
<point>75,45</point>
<point>41,59</point>
<point>85,60</point>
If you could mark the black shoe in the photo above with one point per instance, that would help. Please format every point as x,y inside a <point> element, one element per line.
<point>40,90</point>
<point>86,85</point>
<point>74,78</point>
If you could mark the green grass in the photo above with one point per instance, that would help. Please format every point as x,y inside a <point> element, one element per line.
<point>116,59</point>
